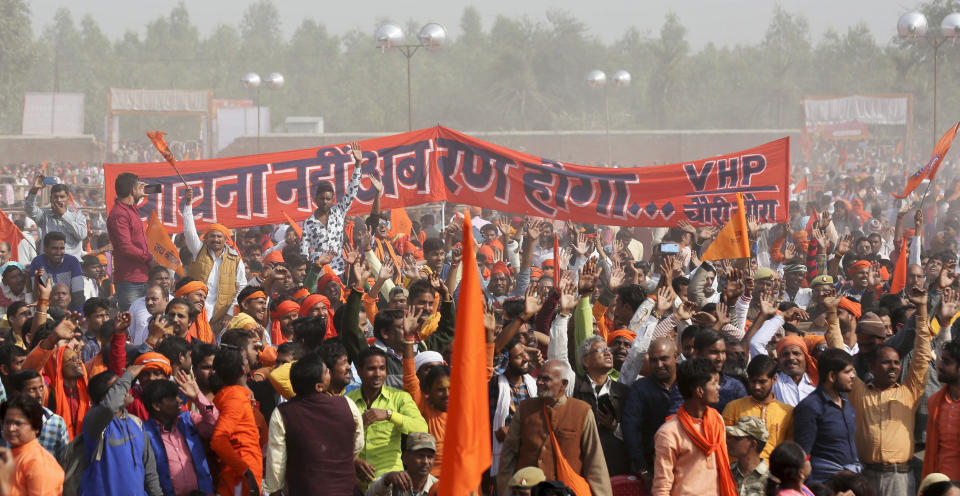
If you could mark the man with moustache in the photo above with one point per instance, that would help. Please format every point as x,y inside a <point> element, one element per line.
<point>506,391</point>
<point>151,304</point>
<point>885,408</point>
<point>943,431</point>
<point>761,403</point>
<point>606,398</point>
<point>528,440</point>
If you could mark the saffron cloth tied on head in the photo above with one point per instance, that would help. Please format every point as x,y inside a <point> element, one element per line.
<point>793,340</point>
<point>851,306</point>
<point>311,301</point>
<point>200,329</point>
<point>255,294</point>
<point>857,267</point>
<point>621,333</point>
<point>276,332</point>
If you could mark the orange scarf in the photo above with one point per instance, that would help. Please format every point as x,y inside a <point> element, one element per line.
<point>311,301</point>
<point>712,441</point>
<point>933,433</point>
<point>74,425</point>
<point>200,329</point>
<point>276,331</point>
<point>811,370</point>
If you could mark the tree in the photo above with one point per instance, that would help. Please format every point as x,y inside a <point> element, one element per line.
<point>17,57</point>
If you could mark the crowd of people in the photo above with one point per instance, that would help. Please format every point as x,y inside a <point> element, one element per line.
<point>315,358</point>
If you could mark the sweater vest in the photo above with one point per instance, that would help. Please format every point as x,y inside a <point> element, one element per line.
<point>197,454</point>
<point>226,280</point>
<point>536,449</point>
<point>319,438</point>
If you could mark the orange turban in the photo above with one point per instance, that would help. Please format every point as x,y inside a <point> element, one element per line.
<point>496,244</point>
<point>851,306</point>
<point>535,272</point>
<point>486,251</point>
<point>547,264</point>
<point>621,333</point>
<point>793,340</point>
<point>155,361</point>
<point>857,267</point>
<point>222,229</point>
<point>311,301</point>
<point>191,287</point>
<point>500,268</point>
<point>276,333</point>
<point>812,340</point>
<point>301,294</point>
<point>273,257</point>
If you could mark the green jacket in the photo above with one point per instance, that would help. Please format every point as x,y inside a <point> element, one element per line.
<point>382,439</point>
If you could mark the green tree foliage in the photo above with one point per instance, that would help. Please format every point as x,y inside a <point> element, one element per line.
<point>496,74</point>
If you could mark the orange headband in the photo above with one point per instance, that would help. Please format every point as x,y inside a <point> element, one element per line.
<point>273,257</point>
<point>792,340</point>
<point>255,294</point>
<point>190,287</point>
<point>284,308</point>
<point>621,333</point>
<point>851,306</point>
<point>301,293</point>
<point>311,301</point>
<point>857,267</point>
<point>220,228</point>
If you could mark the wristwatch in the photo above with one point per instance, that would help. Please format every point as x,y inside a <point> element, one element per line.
<point>389,414</point>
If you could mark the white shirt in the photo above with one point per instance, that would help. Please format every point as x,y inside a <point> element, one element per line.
<point>790,392</point>
<point>194,244</point>
<point>140,320</point>
<point>91,288</point>
<point>803,298</point>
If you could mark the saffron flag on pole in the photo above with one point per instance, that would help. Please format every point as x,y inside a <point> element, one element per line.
<point>400,222</point>
<point>296,227</point>
<point>733,240</point>
<point>899,280</point>
<point>801,186</point>
<point>161,246</point>
<point>10,233</point>
<point>929,170</point>
<point>466,445</point>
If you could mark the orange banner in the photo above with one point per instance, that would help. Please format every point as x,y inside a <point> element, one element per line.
<point>438,163</point>
<point>164,252</point>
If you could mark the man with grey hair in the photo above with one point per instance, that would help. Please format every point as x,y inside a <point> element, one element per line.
<point>528,442</point>
<point>606,398</point>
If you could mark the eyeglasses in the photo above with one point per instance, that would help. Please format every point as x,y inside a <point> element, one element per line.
<point>600,351</point>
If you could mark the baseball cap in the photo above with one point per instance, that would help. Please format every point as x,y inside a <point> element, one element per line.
<point>824,279</point>
<point>421,440</point>
<point>749,427</point>
<point>527,477</point>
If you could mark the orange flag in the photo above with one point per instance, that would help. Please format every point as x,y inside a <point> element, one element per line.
<point>733,240</point>
<point>813,218</point>
<point>466,444</point>
<point>161,246</point>
<point>805,143</point>
<point>400,222</point>
<point>296,227</point>
<point>10,233</point>
<point>899,280</point>
<point>801,186</point>
<point>929,170</point>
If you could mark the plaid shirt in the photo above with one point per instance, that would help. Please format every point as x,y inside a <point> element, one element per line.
<point>53,434</point>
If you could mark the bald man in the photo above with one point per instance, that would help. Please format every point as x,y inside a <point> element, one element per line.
<point>651,400</point>
<point>528,439</point>
<point>60,297</point>
<point>915,276</point>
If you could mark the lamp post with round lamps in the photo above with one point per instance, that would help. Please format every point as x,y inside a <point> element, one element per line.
<point>597,79</point>
<point>390,37</point>
<point>913,27</point>
<point>252,81</point>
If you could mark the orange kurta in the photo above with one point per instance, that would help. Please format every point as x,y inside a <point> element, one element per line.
<point>236,439</point>
<point>37,472</point>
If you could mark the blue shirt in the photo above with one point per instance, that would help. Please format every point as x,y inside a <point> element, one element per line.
<point>647,408</point>
<point>67,273</point>
<point>825,430</point>
<point>730,389</point>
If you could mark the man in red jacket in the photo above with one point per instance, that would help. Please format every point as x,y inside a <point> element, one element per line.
<point>131,254</point>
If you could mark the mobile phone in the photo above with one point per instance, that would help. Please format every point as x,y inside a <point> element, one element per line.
<point>604,403</point>
<point>152,189</point>
<point>669,248</point>
<point>51,180</point>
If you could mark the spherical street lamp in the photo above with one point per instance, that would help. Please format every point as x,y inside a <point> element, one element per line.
<point>950,26</point>
<point>432,35</point>
<point>621,78</point>
<point>597,79</point>
<point>275,81</point>
<point>388,36</point>
<point>251,80</point>
<point>912,25</point>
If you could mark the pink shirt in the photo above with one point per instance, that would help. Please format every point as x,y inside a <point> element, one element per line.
<point>182,474</point>
<point>681,468</point>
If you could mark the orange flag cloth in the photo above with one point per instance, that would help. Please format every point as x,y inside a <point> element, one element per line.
<point>733,241</point>
<point>466,449</point>
<point>10,233</point>
<point>900,270</point>
<point>929,170</point>
<point>164,252</point>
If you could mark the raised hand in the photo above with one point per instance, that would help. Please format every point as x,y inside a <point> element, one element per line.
<point>533,229</point>
<point>42,289</point>
<point>918,219</point>
<point>844,244</point>
<point>357,152</point>
<point>949,305</point>
<point>411,316</point>
<point>38,182</point>
<point>753,224</point>
<point>568,296</point>
<point>532,302</point>
<point>123,322</point>
<point>918,296</point>
<point>456,256</point>
<point>617,275</point>
<point>387,270</point>
<point>588,276</point>
<point>686,226</point>
<point>789,251</point>
<point>361,273</point>
<point>873,276</point>
<point>685,310</point>
<point>723,315</point>
<point>832,302</point>
<point>768,304</point>
<point>325,258</point>
<point>350,254</point>
<point>665,299</point>
<point>187,386</point>
<point>377,184</point>
<point>947,275</point>
<point>795,314</point>
<point>437,284</point>
<point>581,246</point>
<point>66,327</point>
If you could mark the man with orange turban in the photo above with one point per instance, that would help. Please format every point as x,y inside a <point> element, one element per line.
<point>216,263</point>
<point>195,292</point>
<point>283,311</point>
<point>797,377</point>
<point>620,342</point>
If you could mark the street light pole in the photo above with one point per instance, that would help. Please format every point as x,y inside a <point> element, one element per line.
<point>252,80</point>
<point>431,36</point>
<point>597,79</point>
<point>912,26</point>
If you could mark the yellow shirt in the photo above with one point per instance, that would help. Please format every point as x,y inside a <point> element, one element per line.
<point>776,415</point>
<point>885,417</point>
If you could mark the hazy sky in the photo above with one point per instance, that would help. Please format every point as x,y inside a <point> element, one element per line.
<point>723,22</point>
